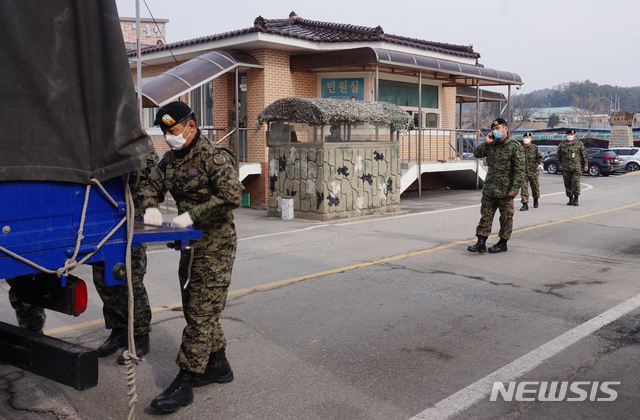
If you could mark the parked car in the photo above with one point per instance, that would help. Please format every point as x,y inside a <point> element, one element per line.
<point>630,157</point>
<point>547,150</point>
<point>601,161</point>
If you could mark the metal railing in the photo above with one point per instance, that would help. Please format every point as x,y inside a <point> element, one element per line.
<point>438,145</point>
<point>216,136</point>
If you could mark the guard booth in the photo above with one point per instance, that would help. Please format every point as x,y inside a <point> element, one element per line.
<point>335,158</point>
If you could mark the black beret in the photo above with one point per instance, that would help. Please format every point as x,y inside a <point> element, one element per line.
<point>528,134</point>
<point>172,114</point>
<point>498,121</point>
<point>571,132</point>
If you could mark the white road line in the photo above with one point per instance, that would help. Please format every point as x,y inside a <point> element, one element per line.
<point>467,397</point>
<point>357,222</point>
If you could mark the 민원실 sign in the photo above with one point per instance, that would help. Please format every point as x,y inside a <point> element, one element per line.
<point>343,88</point>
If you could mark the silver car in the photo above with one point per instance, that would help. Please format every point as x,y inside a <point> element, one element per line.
<point>630,157</point>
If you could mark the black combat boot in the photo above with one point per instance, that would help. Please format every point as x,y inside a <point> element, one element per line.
<point>501,246</point>
<point>218,370</point>
<point>116,341</point>
<point>575,201</point>
<point>525,207</point>
<point>535,203</point>
<point>142,347</point>
<point>480,246</point>
<point>179,393</point>
<point>571,198</point>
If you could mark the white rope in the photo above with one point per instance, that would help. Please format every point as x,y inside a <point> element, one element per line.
<point>70,264</point>
<point>130,357</point>
<point>96,182</point>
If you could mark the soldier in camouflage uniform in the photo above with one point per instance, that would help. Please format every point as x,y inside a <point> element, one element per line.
<point>505,160</point>
<point>533,165</point>
<point>572,157</point>
<point>29,316</point>
<point>115,298</point>
<point>201,177</point>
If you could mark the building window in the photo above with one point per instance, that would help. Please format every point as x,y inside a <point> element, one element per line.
<point>429,119</point>
<point>202,104</point>
<point>149,116</point>
<point>406,94</point>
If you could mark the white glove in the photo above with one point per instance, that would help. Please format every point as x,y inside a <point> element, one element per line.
<point>152,216</point>
<point>540,168</point>
<point>182,220</point>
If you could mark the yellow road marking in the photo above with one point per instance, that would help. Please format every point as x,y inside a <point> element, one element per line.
<point>341,269</point>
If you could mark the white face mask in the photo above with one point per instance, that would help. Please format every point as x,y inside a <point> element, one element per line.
<point>526,141</point>
<point>176,142</point>
<point>570,138</point>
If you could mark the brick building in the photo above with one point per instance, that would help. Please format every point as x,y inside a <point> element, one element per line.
<point>276,58</point>
<point>152,32</point>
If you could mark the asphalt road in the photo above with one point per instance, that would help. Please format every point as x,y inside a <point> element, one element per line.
<point>391,318</point>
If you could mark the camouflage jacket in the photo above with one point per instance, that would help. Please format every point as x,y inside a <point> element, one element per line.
<point>505,161</point>
<point>572,155</point>
<point>204,183</point>
<point>140,177</point>
<point>532,159</point>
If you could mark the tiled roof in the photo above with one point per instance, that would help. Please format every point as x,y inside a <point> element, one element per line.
<point>310,30</point>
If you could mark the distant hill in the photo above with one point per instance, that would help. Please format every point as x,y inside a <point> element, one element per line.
<point>602,98</point>
<point>542,92</point>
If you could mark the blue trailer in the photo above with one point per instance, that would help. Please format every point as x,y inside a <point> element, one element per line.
<point>72,138</point>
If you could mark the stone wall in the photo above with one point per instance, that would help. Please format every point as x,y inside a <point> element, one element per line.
<point>335,180</point>
<point>621,136</point>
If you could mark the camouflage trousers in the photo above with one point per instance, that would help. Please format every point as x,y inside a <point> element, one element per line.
<point>205,296</point>
<point>488,207</point>
<point>29,316</point>
<point>115,299</point>
<point>571,179</point>
<point>534,180</point>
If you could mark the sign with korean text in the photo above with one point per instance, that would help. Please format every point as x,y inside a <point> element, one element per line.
<point>343,88</point>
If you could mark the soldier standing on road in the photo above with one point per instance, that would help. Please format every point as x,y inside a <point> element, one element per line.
<point>533,165</point>
<point>115,298</point>
<point>202,179</point>
<point>505,160</point>
<point>572,158</point>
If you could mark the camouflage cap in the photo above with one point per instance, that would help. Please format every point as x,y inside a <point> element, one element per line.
<point>172,114</point>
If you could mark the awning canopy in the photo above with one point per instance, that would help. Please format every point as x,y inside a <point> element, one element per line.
<point>466,94</point>
<point>191,74</point>
<point>454,73</point>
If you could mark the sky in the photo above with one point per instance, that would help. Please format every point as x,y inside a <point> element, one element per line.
<point>546,42</point>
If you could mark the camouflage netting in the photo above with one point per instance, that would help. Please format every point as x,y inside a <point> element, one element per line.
<point>323,111</point>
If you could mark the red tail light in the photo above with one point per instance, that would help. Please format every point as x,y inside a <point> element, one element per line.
<point>608,158</point>
<point>80,294</point>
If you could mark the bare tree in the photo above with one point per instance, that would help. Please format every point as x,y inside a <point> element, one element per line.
<point>587,107</point>
<point>522,107</point>
<point>487,112</point>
